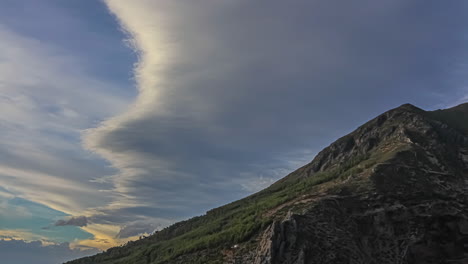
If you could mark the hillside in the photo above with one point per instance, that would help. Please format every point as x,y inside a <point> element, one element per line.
<point>392,191</point>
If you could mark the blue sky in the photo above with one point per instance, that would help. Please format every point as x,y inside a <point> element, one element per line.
<point>121,117</point>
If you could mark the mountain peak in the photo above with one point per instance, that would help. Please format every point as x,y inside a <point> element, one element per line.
<point>392,191</point>
<point>408,106</point>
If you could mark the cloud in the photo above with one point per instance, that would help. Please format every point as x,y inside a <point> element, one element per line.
<point>73,221</point>
<point>22,252</point>
<point>40,144</point>
<point>20,234</point>
<point>137,228</point>
<point>23,219</point>
<point>47,97</point>
<point>232,93</point>
<point>103,237</point>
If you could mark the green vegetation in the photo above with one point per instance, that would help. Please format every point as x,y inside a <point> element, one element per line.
<point>223,227</point>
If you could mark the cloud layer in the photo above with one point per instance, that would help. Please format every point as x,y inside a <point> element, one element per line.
<point>49,93</point>
<point>45,109</point>
<point>233,95</point>
<point>73,221</point>
<point>22,252</point>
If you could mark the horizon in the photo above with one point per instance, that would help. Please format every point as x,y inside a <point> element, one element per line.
<point>121,118</point>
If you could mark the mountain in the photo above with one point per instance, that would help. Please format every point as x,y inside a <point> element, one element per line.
<point>392,191</point>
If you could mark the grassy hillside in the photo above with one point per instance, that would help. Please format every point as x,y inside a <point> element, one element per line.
<point>232,224</point>
<point>207,238</point>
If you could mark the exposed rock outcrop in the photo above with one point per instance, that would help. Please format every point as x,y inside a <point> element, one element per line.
<point>413,208</point>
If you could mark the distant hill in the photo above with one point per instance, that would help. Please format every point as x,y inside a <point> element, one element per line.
<point>392,191</point>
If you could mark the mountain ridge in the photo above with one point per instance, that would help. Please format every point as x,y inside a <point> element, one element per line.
<point>406,161</point>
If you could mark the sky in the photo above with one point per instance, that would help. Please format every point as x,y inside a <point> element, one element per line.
<point>121,117</point>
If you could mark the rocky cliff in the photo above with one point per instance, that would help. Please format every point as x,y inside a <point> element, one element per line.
<point>392,191</point>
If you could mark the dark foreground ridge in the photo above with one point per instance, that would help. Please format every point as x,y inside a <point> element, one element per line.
<point>392,191</point>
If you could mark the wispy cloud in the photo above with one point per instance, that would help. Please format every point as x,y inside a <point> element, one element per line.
<point>23,252</point>
<point>73,221</point>
<point>46,104</point>
<point>47,99</point>
<point>138,227</point>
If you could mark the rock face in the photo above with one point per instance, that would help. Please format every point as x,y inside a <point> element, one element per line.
<point>413,209</point>
<point>338,231</point>
<point>393,191</point>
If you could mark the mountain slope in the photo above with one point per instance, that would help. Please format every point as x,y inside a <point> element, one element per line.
<point>392,191</point>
